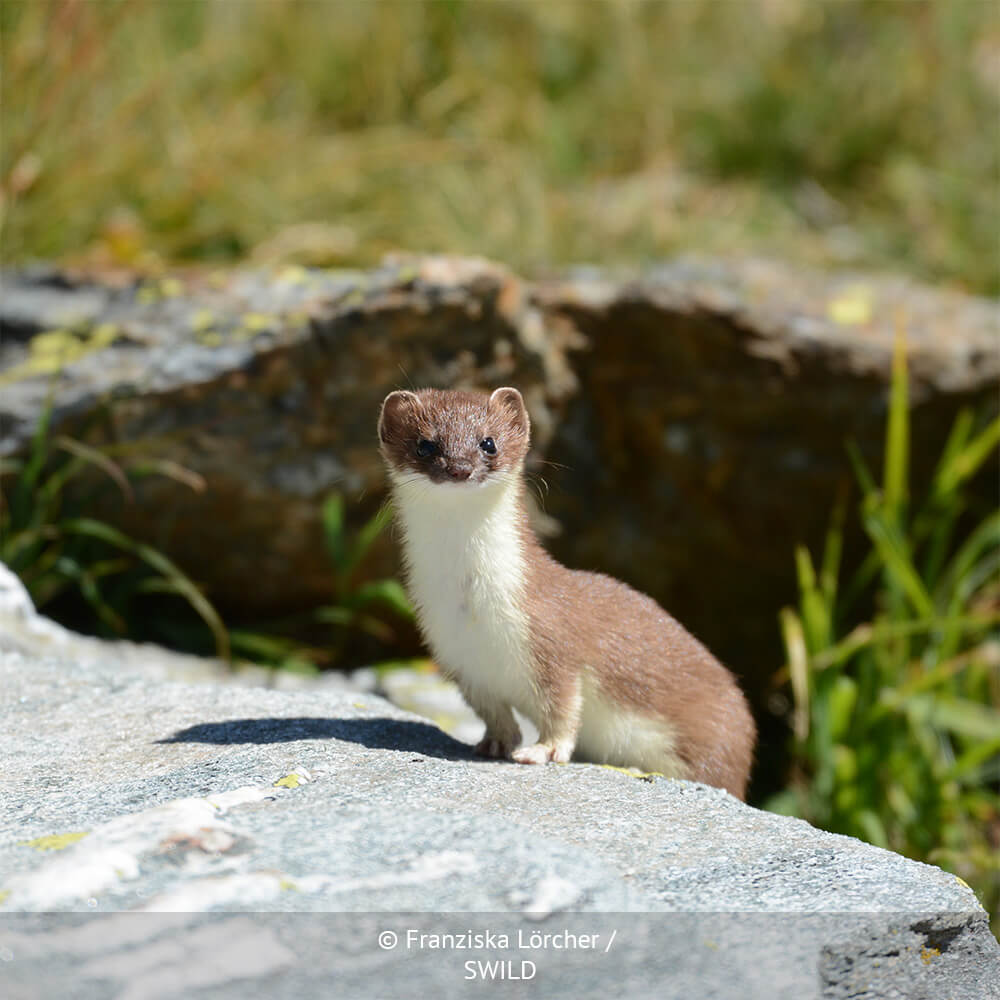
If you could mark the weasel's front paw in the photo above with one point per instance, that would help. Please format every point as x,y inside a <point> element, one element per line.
<point>490,746</point>
<point>542,753</point>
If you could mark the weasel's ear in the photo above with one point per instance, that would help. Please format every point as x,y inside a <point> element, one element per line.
<point>512,403</point>
<point>397,406</point>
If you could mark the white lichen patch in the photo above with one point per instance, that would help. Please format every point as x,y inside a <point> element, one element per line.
<point>115,851</point>
<point>245,889</point>
<point>260,887</point>
<point>224,801</point>
<point>552,894</point>
<point>426,868</point>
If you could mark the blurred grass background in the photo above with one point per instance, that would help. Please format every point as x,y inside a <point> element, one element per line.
<point>141,133</point>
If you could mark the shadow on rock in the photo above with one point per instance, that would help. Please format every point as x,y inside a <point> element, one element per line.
<point>381,733</point>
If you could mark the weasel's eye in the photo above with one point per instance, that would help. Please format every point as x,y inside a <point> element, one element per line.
<point>426,448</point>
<point>488,445</point>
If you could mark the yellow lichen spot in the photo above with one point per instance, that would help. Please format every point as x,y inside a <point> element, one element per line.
<point>287,885</point>
<point>3,896</point>
<point>171,288</point>
<point>210,338</point>
<point>53,344</point>
<point>853,307</point>
<point>633,772</point>
<point>27,370</point>
<point>927,955</point>
<point>50,350</point>
<point>202,320</point>
<point>55,841</point>
<point>288,781</point>
<point>407,274</point>
<point>147,295</point>
<point>294,275</point>
<point>103,335</point>
<point>255,322</point>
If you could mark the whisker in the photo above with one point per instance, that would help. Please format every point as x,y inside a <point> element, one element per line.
<point>406,375</point>
<point>538,480</point>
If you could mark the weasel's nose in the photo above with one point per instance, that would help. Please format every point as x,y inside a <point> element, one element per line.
<point>459,472</point>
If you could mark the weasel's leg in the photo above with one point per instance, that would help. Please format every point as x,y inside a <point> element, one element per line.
<point>502,731</point>
<point>557,730</point>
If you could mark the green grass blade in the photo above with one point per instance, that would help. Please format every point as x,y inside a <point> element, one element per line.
<point>832,551</point>
<point>15,547</point>
<point>374,627</point>
<point>174,579</point>
<point>896,561</point>
<point>366,537</point>
<point>968,460</point>
<point>815,613</point>
<point>798,671</point>
<point>956,715</point>
<point>91,591</point>
<point>269,648</point>
<point>22,500</point>
<point>872,828</point>
<point>171,470</point>
<point>985,537</point>
<point>969,765</point>
<point>389,592</point>
<point>93,457</point>
<point>938,526</point>
<point>897,441</point>
<point>861,583</point>
<point>868,635</point>
<point>334,533</point>
<point>864,477</point>
<point>957,438</point>
<point>331,614</point>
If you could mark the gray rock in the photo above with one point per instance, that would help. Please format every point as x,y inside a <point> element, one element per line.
<point>689,422</point>
<point>166,839</point>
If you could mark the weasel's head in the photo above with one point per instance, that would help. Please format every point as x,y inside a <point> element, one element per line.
<point>465,439</point>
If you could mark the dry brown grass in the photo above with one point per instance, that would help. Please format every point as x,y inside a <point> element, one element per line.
<point>537,133</point>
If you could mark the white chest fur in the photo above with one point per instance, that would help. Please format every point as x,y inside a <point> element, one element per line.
<point>465,571</point>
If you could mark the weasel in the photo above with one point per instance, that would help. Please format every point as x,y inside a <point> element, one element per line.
<point>603,671</point>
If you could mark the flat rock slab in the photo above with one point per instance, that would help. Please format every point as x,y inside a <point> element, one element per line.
<point>163,839</point>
